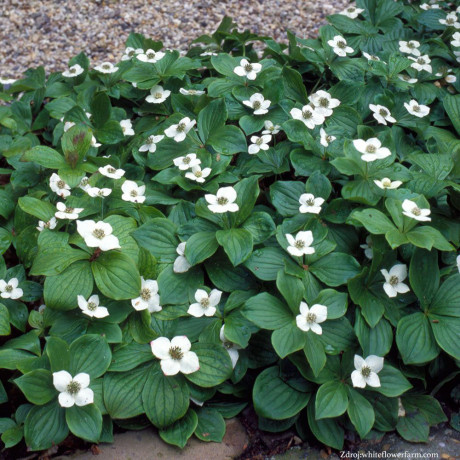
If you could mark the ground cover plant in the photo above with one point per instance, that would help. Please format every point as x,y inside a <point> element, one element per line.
<point>186,235</point>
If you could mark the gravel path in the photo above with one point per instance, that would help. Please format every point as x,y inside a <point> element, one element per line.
<point>49,32</point>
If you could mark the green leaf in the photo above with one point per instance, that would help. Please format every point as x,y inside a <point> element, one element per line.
<point>76,143</point>
<point>211,118</point>
<point>446,301</point>
<point>267,312</point>
<point>413,427</point>
<point>360,411</point>
<point>58,354</point>
<point>288,339</point>
<point>37,386</point>
<point>85,422</point>
<point>293,85</point>
<point>228,140</point>
<point>285,197</point>
<point>179,432</point>
<point>331,400</point>
<point>247,193</point>
<point>374,221</point>
<point>178,288</point>
<point>111,133</point>
<point>116,276</point>
<point>100,109</point>
<point>314,351</point>
<point>327,431</point>
<point>336,302</point>
<point>273,398</point>
<point>265,263</point>
<point>12,436</point>
<point>446,329</point>
<point>393,383</point>
<point>165,399</point>
<point>291,288</point>
<point>91,354</point>
<point>452,107</point>
<point>130,355</point>
<point>200,246</point>
<point>211,425</point>
<point>427,405</point>
<point>375,340</point>
<point>237,243</point>
<point>424,275</point>
<point>335,269</point>
<point>44,156</point>
<point>5,328</point>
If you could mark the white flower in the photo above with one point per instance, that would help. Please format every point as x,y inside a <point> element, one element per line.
<point>259,143</point>
<point>94,142</point>
<point>151,144</point>
<point>366,371</point>
<point>149,298</point>
<point>98,192</point>
<point>187,162</point>
<point>73,71</point>
<point>352,12</point>
<point>368,252</point>
<point>84,184</point>
<point>223,201</point>
<point>410,209</point>
<point>191,92</point>
<point>73,390</point>
<point>10,290</point>
<point>58,186</point>
<point>110,171</point>
<point>308,115</point>
<point>386,183</point>
<point>371,57</point>
<point>68,125</point>
<point>323,102</point>
<point>158,95</point>
<point>450,21</point>
<point>247,69</point>
<point>150,56</point>
<point>130,53</point>
<point>127,127</point>
<point>270,128</point>
<point>372,149</point>
<point>310,204</point>
<point>132,192</point>
<point>179,131</point>
<point>232,348</point>
<point>416,109</point>
<point>98,235</point>
<point>450,78</point>
<point>381,114</point>
<point>407,78</point>
<point>301,244</point>
<point>310,318</point>
<point>410,47</point>
<point>339,46</point>
<point>326,139</point>
<point>91,307</point>
<point>51,224</point>
<point>181,264</point>
<point>456,40</point>
<point>206,304</point>
<point>106,67</point>
<point>427,6</point>
<point>457,55</point>
<point>421,63</point>
<point>7,81</point>
<point>394,280</point>
<point>66,212</point>
<point>175,355</point>
<point>258,103</point>
<point>198,174</point>
<point>208,53</point>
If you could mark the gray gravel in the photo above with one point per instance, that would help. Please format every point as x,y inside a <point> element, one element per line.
<point>50,32</point>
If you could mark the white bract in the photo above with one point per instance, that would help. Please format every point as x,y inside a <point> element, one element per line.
<point>175,355</point>
<point>300,244</point>
<point>158,95</point>
<point>198,175</point>
<point>73,71</point>
<point>10,290</point>
<point>270,128</point>
<point>7,81</point>
<point>130,53</point>
<point>58,186</point>
<point>310,204</point>
<point>133,192</point>
<point>458,263</point>
<point>106,67</point>
<point>232,348</point>
<point>258,103</point>
<point>421,63</point>
<point>91,307</point>
<point>381,114</point>
<point>223,201</point>
<point>325,139</point>
<point>394,280</point>
<point>310,318</point>
<point>206,304</point>
<point>51,224</point>
<point>352,12</point>
<point>366,371</point>
<point>410,209</point>
<point>188,161</point>
<point>409,47</point>
<point>308,115</point>
<point>127,127</point>
<point>407,78</point>
<point>339,46</point>
<point>247,69</point>
<point>181,264</point>
<point>323,102</point>
<point>110,171</point>
<point>73,390</point>
<point>450,78</point>
<point>180,130</point>
<point>451,20</point>
<point>191,92</point>
<point>368,252</point>
<point>416,109</point>
<point>151,144</point>
<point>98,235</point>
<point>67,212</point>
<point>427,6</point>
<point>386,183</point>
<point>371,57</point>
<point>259,143</point>
<point>98,192</point>
<point>371,149</point>
<point>150,56</point>
<point>456,40</point>
<point>149,298</point>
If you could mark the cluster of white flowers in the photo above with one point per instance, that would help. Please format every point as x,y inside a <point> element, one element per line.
<point>258,103</point>
<point>451,20</point>
<point>179,131</point>
<point>150,56</point>
<point>247,69</point>
<point>382,114</point>
<point>222,201</point>
<point>340,46</point>
<point>98,235</point>
<point>175,355</point>
<point>191,164</point>
<point>310,204</point>
<point>73,390</point>
<point>181,264</point>
<point>91,307</point>
<point>157,95</point>
<point>310,318</point>
<point>151,143</point>
<point>73,71</point>
<point>366,371</point>
<point>206,304</point>
<point>10,290</point>
<point>106,67</point>
<point>394,280</point>
<point>371,149</point>
<point>148,299</point>
<point>300,244</point>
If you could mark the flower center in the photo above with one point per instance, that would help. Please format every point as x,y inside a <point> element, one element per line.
<point>192,91</point>
<point>198,173</point>
<point>47,225</point>
<point>158,95</point>
<point>299,244</point>
<point>146,294</point>
<point>410,45</point>
<point>328,138</point>
<point>151,55</point>
<point>112,170</point>
<point>131,53</point>
<point>324,102</point>
<point>383,112</point>
<point>259,141</point>
<point>386,182</point>
<point>307,114</point>
<point>204,302</point>
<point>416,108</point>
<point>394,280</point>
<point>311,202</point>
<point>99,233</point>
<point>311,318</point>
<point>72,70</point>
<point>406,77</point>
<point>92,306</point>
<point>341,44</point>
<point>248,67</point>
<point>371,148</point>
<point>133,193</point>
<point>449,21</point>
<point>61,184</point>
<point>222,200</point>
<point>351,9</point>
<point>186,160</point>
<point>106,66</point>
<point>69,210</point>
<point>73,387</point>
<point>416,211</point>
<point>366,371</point>
<point>256,105</point>
<point>228,345</point>
<point>8,288</point>
<point>420,61</point>
<point>84,181</point>
<point>176,353</point>
<point>180,127</point>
